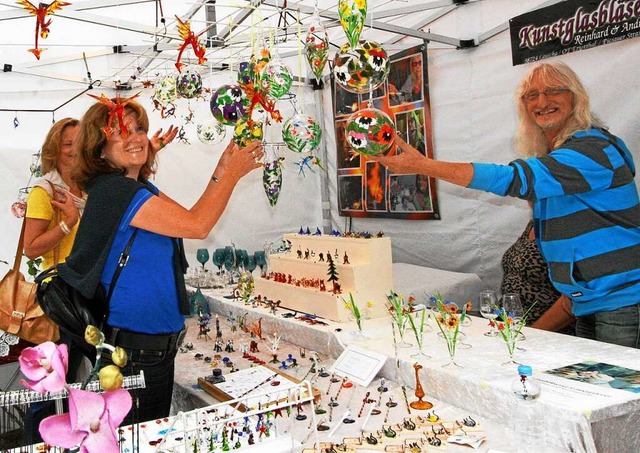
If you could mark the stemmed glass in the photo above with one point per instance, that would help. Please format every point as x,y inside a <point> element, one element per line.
<point>261,260</point>
<point>218,259</point>
<point>251,264</point>
<point>230,263</point>
<point>488,305</point>
<point>202,255</point>
<point>512,305</point>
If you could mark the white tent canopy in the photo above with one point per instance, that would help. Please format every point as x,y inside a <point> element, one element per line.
<point>471,82</point>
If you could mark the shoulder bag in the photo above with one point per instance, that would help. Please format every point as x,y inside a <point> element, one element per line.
<point>70,310</point>
<point>20,315</point>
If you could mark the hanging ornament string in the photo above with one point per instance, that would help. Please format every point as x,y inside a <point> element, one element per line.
<point>301,77</point>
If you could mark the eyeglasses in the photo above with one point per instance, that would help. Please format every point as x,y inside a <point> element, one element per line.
<point>548,92</point>
<point>416,64</point>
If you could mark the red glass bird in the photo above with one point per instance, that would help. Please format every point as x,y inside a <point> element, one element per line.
<point>184,29</point>
<point>42,25</point>
<point>116,110</point>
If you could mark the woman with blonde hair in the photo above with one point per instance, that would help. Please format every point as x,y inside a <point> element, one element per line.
<point>45,234</point>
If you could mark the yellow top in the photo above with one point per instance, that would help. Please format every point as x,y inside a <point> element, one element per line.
<point>39,207</point>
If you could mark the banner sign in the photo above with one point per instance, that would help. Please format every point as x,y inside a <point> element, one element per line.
<point>571,26</point>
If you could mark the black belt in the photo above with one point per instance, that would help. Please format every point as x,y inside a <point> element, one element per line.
<point>149,342</point>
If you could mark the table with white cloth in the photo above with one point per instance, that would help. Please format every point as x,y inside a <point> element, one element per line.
<point>570,418</point>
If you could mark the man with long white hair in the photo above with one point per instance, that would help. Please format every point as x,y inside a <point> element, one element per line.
<point>580,180</point>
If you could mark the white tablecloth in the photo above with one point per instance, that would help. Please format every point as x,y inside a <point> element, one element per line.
<point>482,386</point>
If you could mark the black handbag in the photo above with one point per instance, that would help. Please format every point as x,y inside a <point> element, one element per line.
<point>72,311</point>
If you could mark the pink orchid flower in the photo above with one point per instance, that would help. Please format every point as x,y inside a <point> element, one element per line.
<point>92,421</point>
<point>46,366</point>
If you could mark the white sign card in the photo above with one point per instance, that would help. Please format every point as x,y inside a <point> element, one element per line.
<point>358,365</point>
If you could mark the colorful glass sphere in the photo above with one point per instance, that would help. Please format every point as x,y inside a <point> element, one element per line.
<point>165,91</point>
<point>276,79</point>
<point>370,132</point>
<point>243,134</point>
<point>362,68</point>
<point>189,83</point>
<point>301,133</point>
<point>210,132</point>
<point>229,104</point>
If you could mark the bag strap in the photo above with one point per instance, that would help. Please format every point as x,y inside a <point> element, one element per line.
<point>122,262</point>
<point>18,260</point>
<point>19,308</point>
<point>56,250</point>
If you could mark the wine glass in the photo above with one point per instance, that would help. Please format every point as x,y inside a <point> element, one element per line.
<point>202,255</point>
<point>488,305</point>
<point>230,262</point>
<point>513,307</point>
<point>261,260</point>
<point>241,258</point>
<point>251,264</point>
<point>218,259</point>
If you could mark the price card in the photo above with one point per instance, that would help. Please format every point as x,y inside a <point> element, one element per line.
<point>358,365</point>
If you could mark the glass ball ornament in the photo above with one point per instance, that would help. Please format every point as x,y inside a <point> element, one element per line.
<point>276,79</point>
<point>165,91</point>
<point>189,83</point>
<point>19,209</point>
<point>210,132</point>
<point>229,104</point>
<point>370,132</point>
<point>243,134</point>
<point>362,68</point>
<point>301,133</point>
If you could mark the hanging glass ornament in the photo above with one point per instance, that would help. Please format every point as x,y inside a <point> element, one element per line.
<point>276,79</point>
<point>164,94</point>
<point>210,132</point>
<point>244,133</point>
<point>229,104</point>
<point>316,46</point>
<point>370,132</point>
<point>261,55</point>
<point>362,68</point>
<point>352,14</point>
<point>272,179</point>
<point>245,72</point>
<point>301,133</point>
<point>165,91</point>
<point>189,83</point>
<point>19,209</point>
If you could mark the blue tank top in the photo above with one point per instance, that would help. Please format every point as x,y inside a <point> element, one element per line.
<point>145,299</point>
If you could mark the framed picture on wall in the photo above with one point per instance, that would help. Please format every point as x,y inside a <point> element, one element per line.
<point>405,98</point>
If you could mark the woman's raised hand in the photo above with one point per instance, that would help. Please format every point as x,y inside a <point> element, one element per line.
<point>160,140</point>
<point>238,161</point>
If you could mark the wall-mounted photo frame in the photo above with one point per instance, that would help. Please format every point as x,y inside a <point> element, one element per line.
<point>405,98</point>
